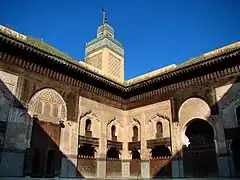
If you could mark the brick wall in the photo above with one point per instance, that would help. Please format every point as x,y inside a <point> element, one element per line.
<point>135,167</point>
<point>161,167</point>
<point>86,167</point>
<point>113,167</point>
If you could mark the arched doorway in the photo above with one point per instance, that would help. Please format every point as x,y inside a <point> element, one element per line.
<point>43,158</point>
<point>199,157</point>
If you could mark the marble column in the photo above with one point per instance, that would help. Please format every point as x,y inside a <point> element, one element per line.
<point>177,162</point>
<point>69,147</point>
<point>101,158</point>
<point>221,150</point>
<point>125,158</point>
<point>145,155</point>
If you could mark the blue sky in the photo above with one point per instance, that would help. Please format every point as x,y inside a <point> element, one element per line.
<point>155,33</point>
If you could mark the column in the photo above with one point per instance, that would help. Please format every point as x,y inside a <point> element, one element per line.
<point>177,162</point>
<point>69,148</point>
<point>101,158</point>
<point>126,158</point>
<point>221,150</point>
<point>145,160</point>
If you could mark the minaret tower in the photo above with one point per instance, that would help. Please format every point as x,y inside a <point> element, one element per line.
<point>105,52</point>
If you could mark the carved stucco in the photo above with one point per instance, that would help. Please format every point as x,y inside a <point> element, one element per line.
<point>152,122</point>
<point>95,124</point>
<point>48,99</point>
<point>192,108</point>
<point>131,123</point>
<point>228,97</point>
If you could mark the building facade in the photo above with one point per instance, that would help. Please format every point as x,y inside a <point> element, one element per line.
<point>63,118</point>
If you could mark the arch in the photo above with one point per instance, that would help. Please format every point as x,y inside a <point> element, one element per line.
<point>135,133</point>
<point>159,129</point>
<point>118,129</point>
<point>198,132</point>
<point>48,104</point>
<point>94,126</point>
<point>88,125</point>
<point>152,126</point>
<point>192,108</point>
<point>113,131</point>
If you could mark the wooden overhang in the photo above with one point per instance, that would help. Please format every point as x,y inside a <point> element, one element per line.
<point>224,64</point>
<point>134,145</point>
<point>114,144</point>
<point>88,140</point>
<point>158,142</point>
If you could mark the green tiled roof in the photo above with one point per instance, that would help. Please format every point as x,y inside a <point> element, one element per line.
<point>37,43</point>
<point>46,47</point>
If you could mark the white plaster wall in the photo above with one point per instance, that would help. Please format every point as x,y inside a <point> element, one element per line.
<point>103,117</point>
<point>148,116</point>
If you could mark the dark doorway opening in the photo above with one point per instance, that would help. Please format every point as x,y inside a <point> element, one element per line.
<point>135,154</point>
<point>160,151</point>
<point>113,153</point>
<point>86,150</point>
<point>199,133</point>
<point>199,158</point>
<point>236,156</point>
<point>50,163</point>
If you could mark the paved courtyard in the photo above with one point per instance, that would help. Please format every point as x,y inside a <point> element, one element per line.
<point>14,178</point>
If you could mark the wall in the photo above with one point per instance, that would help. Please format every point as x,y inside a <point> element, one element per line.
<point>18,130</point>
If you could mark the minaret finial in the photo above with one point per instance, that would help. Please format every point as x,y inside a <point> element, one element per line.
<point>104,16</point>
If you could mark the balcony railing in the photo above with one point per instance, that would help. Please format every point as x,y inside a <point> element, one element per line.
<point>114,144</point>
<point>134,145</point>
<point>88,140</point>
<point>158,142</point>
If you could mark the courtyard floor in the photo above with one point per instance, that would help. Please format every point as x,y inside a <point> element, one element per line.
<point>14,178</point>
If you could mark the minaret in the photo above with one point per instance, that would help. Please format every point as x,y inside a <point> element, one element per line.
<point>105,52</point>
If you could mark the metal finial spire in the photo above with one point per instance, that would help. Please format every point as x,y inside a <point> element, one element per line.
<point>104,16</point>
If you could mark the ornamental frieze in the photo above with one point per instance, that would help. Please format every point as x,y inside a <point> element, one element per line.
<point>229,102</point>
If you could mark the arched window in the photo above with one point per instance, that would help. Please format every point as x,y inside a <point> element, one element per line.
<point>135,133</point>
<point>113,132</point>
<point>238,115</point>
<point>88,127</point>
<point>159,130</point>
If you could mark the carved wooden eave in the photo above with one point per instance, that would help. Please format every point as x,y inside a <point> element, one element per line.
<point>114,144</point>
<point>74,66</point>
<point>158,142</point>
<point>88,140</point>
<point>134,145</point>
<point>122,96</point>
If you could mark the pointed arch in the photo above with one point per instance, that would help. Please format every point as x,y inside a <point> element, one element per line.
<point>159,124</point>
<point>90,121</point>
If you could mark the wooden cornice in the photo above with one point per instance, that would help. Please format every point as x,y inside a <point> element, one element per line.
<point>105,91</point>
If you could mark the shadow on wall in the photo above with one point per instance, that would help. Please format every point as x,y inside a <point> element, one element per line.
<point>29,146</point>
<point>198,157</point>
